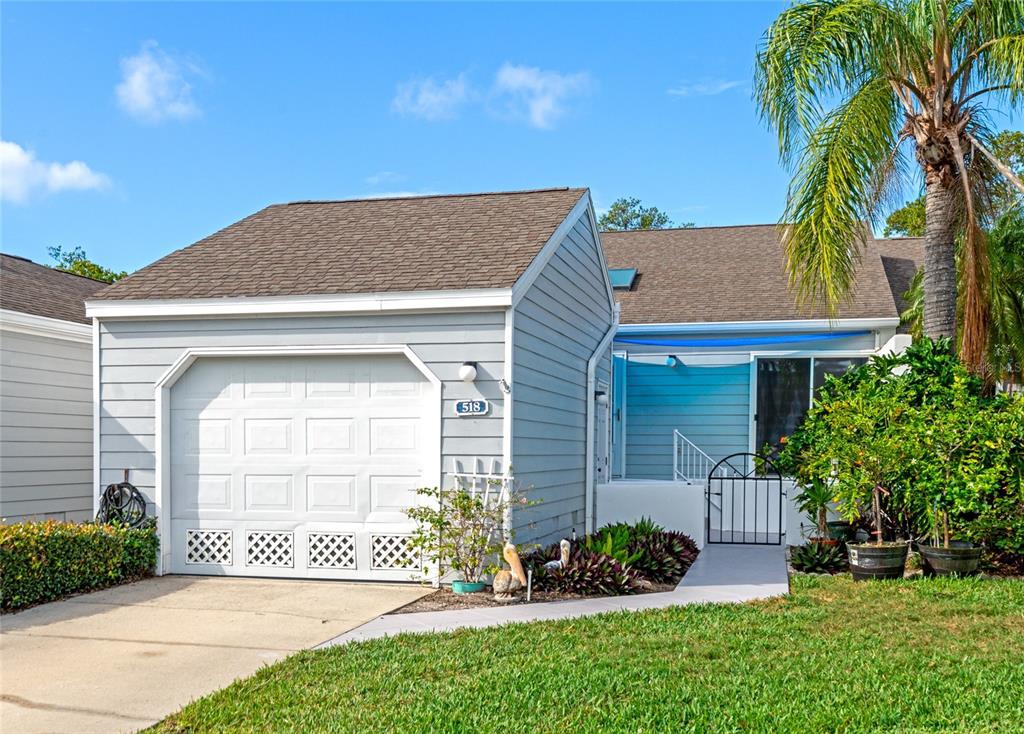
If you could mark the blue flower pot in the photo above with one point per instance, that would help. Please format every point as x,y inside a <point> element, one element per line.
<point>468,587</point>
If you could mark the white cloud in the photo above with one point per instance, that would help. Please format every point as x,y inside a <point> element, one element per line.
<point>382,177</point>
<point>22,175</point>
<point>154,85</point>
<point>431,99</point>
<point>536,95</point>
<point>704,88</point>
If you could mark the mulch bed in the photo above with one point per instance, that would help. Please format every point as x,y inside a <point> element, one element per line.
<point>445,599</point>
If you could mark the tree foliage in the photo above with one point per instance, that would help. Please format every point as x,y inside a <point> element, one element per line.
<point>1005,352</point>
<point>907,221</point>
<point>919,426</point>
<point>1008,146</point>
<point>75,261</point>
<point>630,214</point>
<point>860,90</point>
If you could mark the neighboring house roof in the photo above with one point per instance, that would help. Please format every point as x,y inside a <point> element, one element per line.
<point>41,291</point>
<point>713,274</point>
<point>427,243</point>
<point>901,257</point>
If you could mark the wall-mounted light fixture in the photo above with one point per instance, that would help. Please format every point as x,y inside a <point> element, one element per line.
<point>672,361</point>
<point>601,397</point>
<point>467,372</point>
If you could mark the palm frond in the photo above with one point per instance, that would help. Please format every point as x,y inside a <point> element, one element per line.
<point>820,49</point>
<point>835,190</point>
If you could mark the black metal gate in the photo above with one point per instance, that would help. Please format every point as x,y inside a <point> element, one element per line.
<point>744,501</point>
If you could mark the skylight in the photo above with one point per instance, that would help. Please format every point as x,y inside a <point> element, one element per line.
<point>622,278</point>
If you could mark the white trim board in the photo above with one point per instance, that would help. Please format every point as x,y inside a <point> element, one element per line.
<point>162,394</point>
<point>27,323</point>
<point>475,299</point>
<point>801,325</point>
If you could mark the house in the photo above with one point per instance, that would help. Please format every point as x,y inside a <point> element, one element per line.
<point>46,393</point>
<point>279,389</point>
<point>901,257</point>
<point>714,357</point>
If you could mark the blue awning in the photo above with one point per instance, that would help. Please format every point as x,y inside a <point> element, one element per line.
<point>748,341</point>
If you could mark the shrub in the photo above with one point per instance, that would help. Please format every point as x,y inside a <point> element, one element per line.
<point>818,558</point>
<point>652,554</point>
<point>588,573</point>
<point>42,561</point>
<point>614,541</point>
<point>917,432</point>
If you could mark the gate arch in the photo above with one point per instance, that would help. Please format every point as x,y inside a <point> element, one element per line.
<point>744,501</point>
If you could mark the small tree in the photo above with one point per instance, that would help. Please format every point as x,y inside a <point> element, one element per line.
<point>461,530</point>
<point>74,261</point>
<point>630,214</point>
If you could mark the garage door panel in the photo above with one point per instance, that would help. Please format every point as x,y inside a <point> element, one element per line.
<point>300,467</point>
<point>330,436</point>
<point>334,494</point>
<point>265,436</point>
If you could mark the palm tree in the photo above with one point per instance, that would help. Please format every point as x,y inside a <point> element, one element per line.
<point>853,88</point>
<point>1005,349</point>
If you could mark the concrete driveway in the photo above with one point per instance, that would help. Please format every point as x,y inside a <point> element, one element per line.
<point>123,658</point>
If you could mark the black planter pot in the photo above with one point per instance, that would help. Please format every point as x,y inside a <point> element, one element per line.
<point>961,558</point>
<point>871,561</point>
<point>840,530</point>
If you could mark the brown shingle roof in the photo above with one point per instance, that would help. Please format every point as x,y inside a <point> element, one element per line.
<point>725,274</point>
<point>362,246</point>
<point>36,289</point>
<point>901,257</point>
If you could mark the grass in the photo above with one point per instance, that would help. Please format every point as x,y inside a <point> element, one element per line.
<point>928,655</point>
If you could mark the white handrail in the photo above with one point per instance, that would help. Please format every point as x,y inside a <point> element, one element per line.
<point>689,462</point>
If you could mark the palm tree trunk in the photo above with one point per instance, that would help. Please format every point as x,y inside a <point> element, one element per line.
<point>939,260</point>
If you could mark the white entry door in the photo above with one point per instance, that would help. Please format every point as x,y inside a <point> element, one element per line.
<point>298,466</point>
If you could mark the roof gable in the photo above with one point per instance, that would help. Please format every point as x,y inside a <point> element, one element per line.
<point>726,274</point>
<point>27,287</point>
<point>432,243</point>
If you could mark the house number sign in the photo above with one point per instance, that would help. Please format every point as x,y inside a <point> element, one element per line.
<point>466,408</point>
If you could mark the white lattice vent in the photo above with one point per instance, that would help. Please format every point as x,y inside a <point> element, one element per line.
<point>391,551</point>
<point>208,546</point>
<point>331,550</point>
<point>268,548</point>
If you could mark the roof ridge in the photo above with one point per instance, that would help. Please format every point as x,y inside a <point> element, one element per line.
<point>432,196</point>
<point>53,269</point>
<point>687,229</point>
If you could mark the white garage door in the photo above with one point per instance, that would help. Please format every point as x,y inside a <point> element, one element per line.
<point>298,466</point>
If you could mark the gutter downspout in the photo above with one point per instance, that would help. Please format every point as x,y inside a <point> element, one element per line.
<point>602,347</point>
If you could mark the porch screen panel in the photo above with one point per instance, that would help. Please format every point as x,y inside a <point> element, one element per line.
<point>824,366</point>
<point>783,397</point>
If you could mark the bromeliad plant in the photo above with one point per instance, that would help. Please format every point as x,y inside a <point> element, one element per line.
<point>461,530</point>
<point>813,500</point>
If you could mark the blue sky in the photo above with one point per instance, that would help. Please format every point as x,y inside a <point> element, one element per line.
<point>135,129</point>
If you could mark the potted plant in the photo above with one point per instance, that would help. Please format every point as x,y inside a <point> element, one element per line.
<point>461,530</point>
<point>850,442</point>
<point>959,456</point>
<point>813,500</point>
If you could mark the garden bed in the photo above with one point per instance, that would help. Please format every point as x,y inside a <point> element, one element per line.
<point>445,599</point>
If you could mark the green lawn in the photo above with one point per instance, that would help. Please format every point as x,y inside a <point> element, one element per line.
<point>925,655</point>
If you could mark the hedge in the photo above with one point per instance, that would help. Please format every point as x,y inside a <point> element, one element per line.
<point>43,561</point>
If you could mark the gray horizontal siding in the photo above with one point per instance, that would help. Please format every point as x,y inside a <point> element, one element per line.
<point>135,354</point>
<point>45,428</point>
<point>557,326</point>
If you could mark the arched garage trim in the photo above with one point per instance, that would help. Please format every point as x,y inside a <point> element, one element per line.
<point>161,498</point>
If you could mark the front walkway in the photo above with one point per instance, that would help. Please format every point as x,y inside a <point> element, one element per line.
<point>722,573</point>
<point>124,658</point>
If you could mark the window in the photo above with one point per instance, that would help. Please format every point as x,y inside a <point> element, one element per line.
<point>622,278</point>
<point>785,388</point>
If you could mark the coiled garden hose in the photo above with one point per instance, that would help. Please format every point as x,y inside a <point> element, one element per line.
<point>123,504</point>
